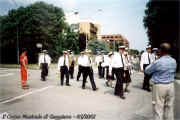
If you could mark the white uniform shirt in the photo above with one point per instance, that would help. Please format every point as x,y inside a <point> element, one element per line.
<point>61,62</point>
<point>86,61</point>
<point>44,59</point>
<point>98,59</point>
<point>80,60</point>
<point>154,57</point>
<point>106,61</point>
<point>117,61</point>
<point>127,62</point>
<point>146,58</point>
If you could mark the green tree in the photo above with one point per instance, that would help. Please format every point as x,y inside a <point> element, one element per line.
<point>95,45</point>
<point>161,21</point>
<point>36,23</point>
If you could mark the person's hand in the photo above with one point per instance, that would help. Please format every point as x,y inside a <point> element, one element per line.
<point>124,74</point>
<point>110,74</point>
<point>141,70</point>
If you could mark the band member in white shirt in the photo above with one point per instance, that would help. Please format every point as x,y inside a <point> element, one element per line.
<point>80,58</point>
<point>154,54</point>
<point>44,63</point>
<point>98,61</point>
<point>127,70</point>
<point>108,62</point>
<point>146,59</point>
<point>63,66</point>
<point>117,65</point>
<point>104,65</point>
<point>71,64</point>
<point>88,70</point>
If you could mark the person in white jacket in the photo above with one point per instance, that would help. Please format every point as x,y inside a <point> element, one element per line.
<point>63,67</point>
<point>108,63</point>
<point>44,63</point>
<point>146,59</point>
<point>127,77</point>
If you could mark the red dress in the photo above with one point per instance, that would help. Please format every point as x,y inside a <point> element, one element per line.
<point>23,62</point>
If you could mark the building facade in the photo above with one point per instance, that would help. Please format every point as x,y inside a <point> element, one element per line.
<point>114,38</point>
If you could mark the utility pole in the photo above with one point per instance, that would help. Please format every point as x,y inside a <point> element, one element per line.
<point>17,35</point>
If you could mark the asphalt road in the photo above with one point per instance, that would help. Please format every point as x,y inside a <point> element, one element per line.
<point>49,100</point>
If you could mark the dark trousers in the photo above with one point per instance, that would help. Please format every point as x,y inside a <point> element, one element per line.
<point>119,83</point>
<point>112,77</point>
<point>80,71</point>
<point>44,71</point>
<point>64,72</point>
<point>100,70</point>
<point>71,71</point>
<point>88,71</point>
<point>146,84</point>
<point>105,70</point>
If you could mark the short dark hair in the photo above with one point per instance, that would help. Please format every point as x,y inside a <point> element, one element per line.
<point>24,50</point>
<point>165,48</point>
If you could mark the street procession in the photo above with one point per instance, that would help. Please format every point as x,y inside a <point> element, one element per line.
<point>89,60</point>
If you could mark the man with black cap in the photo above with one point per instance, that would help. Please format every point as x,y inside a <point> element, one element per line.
<point>117,65</point>
<point>44,62</point>
<point>63,67</point>
<point>88,70</point>
<point>146,59</point>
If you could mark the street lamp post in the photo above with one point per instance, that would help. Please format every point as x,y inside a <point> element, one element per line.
<point>17,44</point>
<point>87,35</point>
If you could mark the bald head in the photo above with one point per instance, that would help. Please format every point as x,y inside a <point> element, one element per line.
<point>165,48</point>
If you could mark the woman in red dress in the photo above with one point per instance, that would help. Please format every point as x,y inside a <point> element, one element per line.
<point>24,64</point>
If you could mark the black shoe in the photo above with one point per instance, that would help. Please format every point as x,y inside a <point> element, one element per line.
<point>61,84</point>
<point>116,94</point>
<point>68,85</point>
<point>122,97</point>
<point>95,89</point>
<point>149,90</point>
<point>83,88</point>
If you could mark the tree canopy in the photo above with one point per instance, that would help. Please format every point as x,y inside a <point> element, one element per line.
<point>97,45</point>
<point>36,23</point>
<point>162,21</point>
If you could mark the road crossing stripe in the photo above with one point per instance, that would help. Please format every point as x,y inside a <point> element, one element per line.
<point>29,93</point>
<point>7,74</point>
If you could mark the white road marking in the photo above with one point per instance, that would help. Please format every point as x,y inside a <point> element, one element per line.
<point>7,74</point>
<point>29,93</point>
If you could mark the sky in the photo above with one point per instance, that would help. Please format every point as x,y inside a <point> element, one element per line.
<point>123,17</point>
